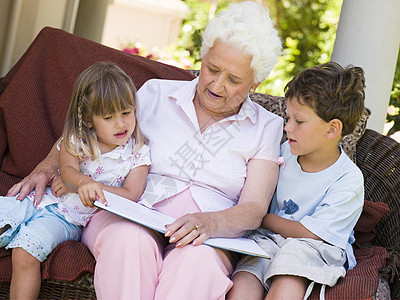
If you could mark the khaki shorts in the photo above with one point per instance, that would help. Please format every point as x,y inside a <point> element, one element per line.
<point>316,260</point>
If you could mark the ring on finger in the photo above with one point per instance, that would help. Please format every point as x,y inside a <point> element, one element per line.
<point>197,228</point>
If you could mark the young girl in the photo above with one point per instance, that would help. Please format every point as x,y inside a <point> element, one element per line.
<point>102,147</point>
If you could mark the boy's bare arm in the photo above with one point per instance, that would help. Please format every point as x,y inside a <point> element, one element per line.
<point>287,228</point>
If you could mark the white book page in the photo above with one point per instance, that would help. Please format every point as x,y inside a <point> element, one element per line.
<point>157,221</point>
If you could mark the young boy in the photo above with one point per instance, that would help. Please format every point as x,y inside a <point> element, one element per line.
<point>308,231</point>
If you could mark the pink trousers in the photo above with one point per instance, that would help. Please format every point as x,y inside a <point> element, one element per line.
<point>133,262</point>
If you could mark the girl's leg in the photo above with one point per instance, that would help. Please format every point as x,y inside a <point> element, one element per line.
<point>287,287</point>
<point>31,245</point>
<point>12,213</point>
<point>26,277</point>
<point>43,232</point>
<point>128,257</point>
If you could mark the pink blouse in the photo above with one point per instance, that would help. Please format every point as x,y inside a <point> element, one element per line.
<point>212,164</point>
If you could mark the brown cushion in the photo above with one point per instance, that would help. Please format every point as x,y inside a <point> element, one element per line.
<point>37,91</point>
<point>360,282</point>
<point>68,261</point>
<point>5,265</point>
<point>372,213</point>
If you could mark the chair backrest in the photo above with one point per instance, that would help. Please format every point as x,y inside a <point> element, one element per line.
<point>36,93</point>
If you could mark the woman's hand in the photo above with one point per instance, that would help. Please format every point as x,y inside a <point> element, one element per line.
<point>38,179</point>
<point>192,228</point>
<point>90,190</point>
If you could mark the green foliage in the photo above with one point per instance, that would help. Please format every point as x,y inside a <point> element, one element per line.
<point>308,32</point>
<point>395,100</point>
<point>307,29</point>
<point>193,26</point>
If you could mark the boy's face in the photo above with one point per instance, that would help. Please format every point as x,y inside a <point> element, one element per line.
<point>306,132</point>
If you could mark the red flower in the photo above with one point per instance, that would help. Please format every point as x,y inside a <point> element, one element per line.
<point>134,50</point>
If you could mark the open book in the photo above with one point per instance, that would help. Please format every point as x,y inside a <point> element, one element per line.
<point>157,221</point>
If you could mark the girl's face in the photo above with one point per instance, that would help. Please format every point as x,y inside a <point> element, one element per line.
<point>225,80</point>
<point>113,130</point>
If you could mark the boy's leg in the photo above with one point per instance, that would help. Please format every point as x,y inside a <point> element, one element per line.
<point>248,277</point>
<point>246,286</point>
<point>26,277</point>
<point>287,287</point>
<point>301,261</point>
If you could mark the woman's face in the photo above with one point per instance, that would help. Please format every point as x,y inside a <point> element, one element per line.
<point>225,80</point>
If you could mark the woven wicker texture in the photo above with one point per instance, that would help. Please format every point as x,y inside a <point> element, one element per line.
<point>81,288</point>
<point>378,157</point>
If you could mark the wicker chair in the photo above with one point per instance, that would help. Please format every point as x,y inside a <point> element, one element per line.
<point>42,82</point>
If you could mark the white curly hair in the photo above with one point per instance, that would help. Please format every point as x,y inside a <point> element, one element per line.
<point>248,27</point>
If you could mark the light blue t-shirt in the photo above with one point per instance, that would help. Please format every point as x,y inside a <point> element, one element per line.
<point>328,203</point>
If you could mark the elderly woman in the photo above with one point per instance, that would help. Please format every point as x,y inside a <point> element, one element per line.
<point>214,168</point>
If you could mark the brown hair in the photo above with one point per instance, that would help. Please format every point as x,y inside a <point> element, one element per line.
<point>332,91</point>
<point>101,89</point>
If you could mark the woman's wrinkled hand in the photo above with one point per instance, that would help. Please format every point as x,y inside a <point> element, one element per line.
<point>191,228</point>
<point>37,180</point>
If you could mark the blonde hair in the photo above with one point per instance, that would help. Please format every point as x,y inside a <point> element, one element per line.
<point>101,89</point>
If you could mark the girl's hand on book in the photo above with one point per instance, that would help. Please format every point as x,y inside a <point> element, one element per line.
<point>89,191</point>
